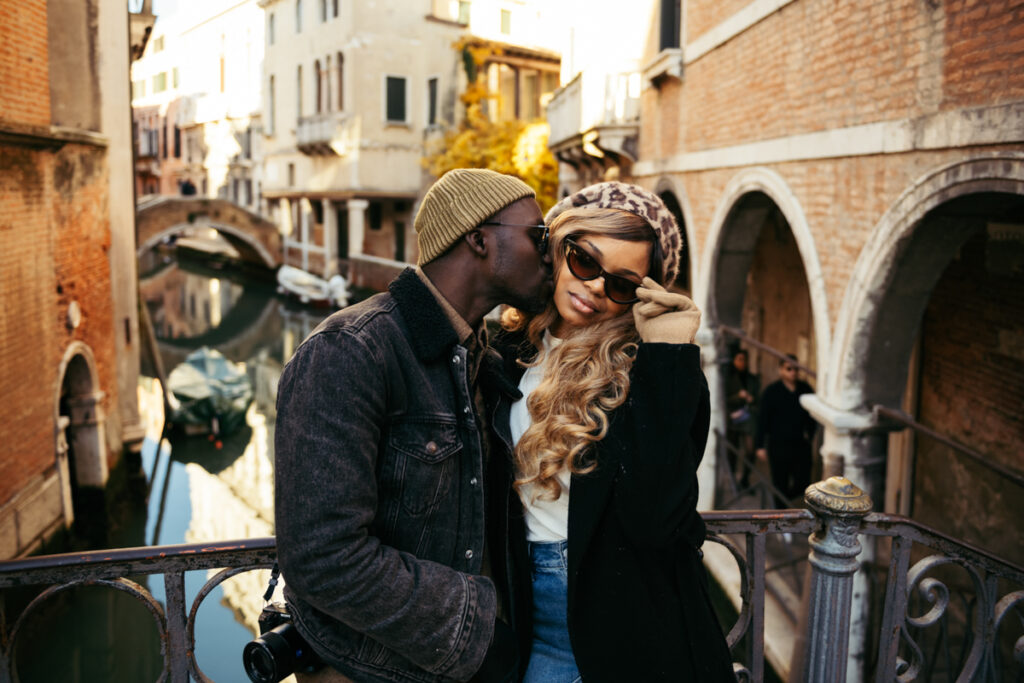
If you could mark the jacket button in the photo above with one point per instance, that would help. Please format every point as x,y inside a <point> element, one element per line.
<point>466,410</point>
<point>431,448</point>
<point>472,482</point>
<point>455,359</point>
<point>469,554</point>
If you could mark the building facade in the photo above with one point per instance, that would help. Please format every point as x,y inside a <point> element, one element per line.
<point>68,321</point>
<point>196,100</point>
<point>352,93</point>
<point>850,178</point>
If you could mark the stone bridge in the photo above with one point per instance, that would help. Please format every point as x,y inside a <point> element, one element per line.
<point>256,239</point>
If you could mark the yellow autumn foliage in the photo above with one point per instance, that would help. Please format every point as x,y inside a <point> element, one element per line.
<point>515,147</point>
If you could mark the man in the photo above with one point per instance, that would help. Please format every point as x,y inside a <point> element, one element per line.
<point>380,466</point>
<point>784,432</point>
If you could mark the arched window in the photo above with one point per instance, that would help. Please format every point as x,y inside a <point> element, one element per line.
<point>327,84</point>
<point>319,86</point>
<point>298,16</point>
<point>341,82</point>
<point>298,90</point>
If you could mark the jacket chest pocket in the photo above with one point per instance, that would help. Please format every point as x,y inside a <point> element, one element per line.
<point>423,461</point>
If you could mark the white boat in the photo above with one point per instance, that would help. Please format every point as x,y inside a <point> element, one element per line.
<point>310,289</point>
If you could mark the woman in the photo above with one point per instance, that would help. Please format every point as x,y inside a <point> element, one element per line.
<point>602,443</point>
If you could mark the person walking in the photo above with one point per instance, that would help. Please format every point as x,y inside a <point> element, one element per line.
<point>784,433</point>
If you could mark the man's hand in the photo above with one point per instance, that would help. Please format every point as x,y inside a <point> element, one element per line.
<point>500,663</point>
<point>664,317</point>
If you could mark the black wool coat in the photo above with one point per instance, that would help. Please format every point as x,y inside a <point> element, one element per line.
<point>638,599</point>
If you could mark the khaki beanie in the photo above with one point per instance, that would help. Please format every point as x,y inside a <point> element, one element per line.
<point>458,202</point>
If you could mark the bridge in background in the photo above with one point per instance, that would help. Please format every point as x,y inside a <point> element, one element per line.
<point>257,240</point>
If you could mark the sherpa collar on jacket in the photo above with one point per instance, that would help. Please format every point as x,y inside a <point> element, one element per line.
<point>430,331</point>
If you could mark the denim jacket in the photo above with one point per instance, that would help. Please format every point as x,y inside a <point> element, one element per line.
<point>379,493</point>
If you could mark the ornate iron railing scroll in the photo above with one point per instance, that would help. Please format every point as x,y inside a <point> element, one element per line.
<point>995,589</point>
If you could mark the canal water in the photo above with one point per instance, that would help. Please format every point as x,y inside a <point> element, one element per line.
<point>198,492</point>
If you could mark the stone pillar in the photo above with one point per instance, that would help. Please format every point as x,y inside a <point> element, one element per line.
<point>88,442</point>
<point>707,472</point>
<point>304,208</point>
<point>855,446</point>
<point>356,225</point>
<point>822,649</point>
<point>330,239</point>
<point>285,226</point>
<point>63,470</point>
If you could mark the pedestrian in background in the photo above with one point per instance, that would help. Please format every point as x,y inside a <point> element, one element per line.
<point>741,390</point>
<point>785,431</point>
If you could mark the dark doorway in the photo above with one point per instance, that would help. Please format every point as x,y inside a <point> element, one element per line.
<point>343,232</point>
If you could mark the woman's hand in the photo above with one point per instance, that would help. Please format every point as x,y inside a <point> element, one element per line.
<point>664,317</point>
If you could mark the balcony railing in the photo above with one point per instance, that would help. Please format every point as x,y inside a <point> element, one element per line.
<point>330,133</point>
<point>595,101</point>
<point>924,569</point>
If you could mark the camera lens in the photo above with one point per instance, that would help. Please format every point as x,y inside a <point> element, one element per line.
<point>259,664</point>
<point>273,655</point>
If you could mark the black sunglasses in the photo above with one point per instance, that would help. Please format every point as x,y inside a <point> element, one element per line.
<point>585,267</point>
<point>540,233</point>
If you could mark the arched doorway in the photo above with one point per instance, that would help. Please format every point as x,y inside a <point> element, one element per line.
<point>668,194</point>
<point>760,274</point>
<point>80,444</point>
<point>932,325</point>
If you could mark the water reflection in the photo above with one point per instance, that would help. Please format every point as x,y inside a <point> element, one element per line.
<point>227,493</point>
<point>198,493</point>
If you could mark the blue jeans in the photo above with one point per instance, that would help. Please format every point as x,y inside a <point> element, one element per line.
<point>551,658</point>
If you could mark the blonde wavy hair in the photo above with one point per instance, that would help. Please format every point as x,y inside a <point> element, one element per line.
<point>587,375</point>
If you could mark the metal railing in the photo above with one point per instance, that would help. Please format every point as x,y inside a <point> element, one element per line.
<point>110,568</point>
<point>837,519</point>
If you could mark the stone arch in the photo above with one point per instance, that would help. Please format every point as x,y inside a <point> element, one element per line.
<point>877,322</point>
<point>668,186</point>
<point>80,443</point>
<point>234,236</point>
<point>728,252</point>
<point>256,239</point>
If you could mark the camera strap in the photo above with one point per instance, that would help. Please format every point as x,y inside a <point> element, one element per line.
<point>275,572</point>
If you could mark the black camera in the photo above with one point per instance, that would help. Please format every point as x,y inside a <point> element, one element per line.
<point>279,651</point>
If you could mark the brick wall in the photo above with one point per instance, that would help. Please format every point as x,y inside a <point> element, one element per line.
<point>54,239</point>
<point>24,65</point>
<point>816,65</point>
<point>842,199</point>
<point>983,58</point>
<point>777,305</point>
<point>28,341</point>
<point>81,225</point>
<point>972,388</point>
<point>703,15</point>
<point>54,244</point>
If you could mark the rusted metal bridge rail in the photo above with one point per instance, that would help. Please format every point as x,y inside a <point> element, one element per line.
<point>110,568</point>
<point>836,521</point>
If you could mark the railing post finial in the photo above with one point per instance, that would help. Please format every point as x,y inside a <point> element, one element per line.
<point>824,641</point>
